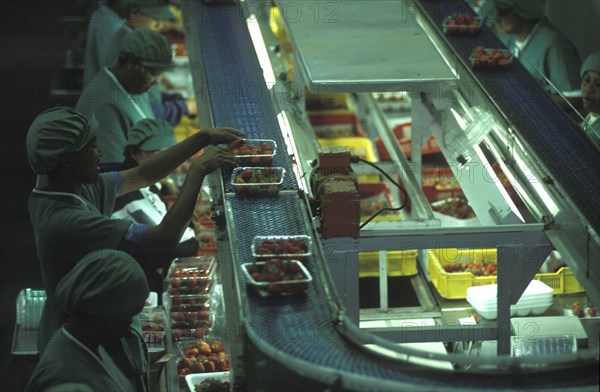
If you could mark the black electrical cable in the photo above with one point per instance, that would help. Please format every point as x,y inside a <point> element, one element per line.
<point>356,159</point>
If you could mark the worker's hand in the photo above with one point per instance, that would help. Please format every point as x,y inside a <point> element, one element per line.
<point>222,135</point>
<point>212,158</point>
<point>191,107</point>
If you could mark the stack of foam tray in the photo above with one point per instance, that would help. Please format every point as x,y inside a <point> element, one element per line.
<point>536,299</point>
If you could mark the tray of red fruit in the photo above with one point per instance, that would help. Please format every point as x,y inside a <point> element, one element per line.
<point>460,23</point>
<point>202,356</point>
<point>277,276</point>
<point>257,181</point>
<point>254,152</point>
<point>282,246</point>
<point>489,58</point>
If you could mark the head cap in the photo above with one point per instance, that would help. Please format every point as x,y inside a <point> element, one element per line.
<point>55,132</point>
<point>526,9</point>
<point>151,135</point>
<point>591,63</point>
<point>106,283</point>
<point>150,47</point>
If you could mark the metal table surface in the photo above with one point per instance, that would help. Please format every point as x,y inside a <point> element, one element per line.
<point>362,46</point>
<point>302,328</point>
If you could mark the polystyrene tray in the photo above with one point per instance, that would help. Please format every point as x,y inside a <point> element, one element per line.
<point>535,290</point>
<point>194,379</point>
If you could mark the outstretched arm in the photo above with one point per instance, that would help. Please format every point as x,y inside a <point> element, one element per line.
<point>161,165</point>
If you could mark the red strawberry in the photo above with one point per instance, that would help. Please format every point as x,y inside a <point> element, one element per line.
<point>236,143</point>
<point>246,175</point>
<point>210,366</point>
<point>294,268</point>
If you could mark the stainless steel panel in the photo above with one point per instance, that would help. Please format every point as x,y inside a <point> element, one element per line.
<point>354,46</point>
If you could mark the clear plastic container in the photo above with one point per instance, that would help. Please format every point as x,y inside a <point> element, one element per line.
<point>152,300</point>
<point>178,334</point>
<point>186,290</point>
<point>282,246</point>
<point>255,152</point>
<point>257,181</point>
<point>198,347</point>
<point>461,24</point>
<point>154,338</point>
<point>490,58</point>
<point>29,306</point>
<point>188,300</point>
<point>151,316</point>
<point>191,319</point>
<point>295,282</point>
<point>204,265</point>
<point>192,275</point>
<point>215,364</point>
<point>543,345</point>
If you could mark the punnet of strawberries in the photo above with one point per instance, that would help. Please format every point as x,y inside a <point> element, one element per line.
<point>253,152</point>
<point>257,181</point>
<point>278,276</point>
<point>460,23</point>
<point>490,58</point>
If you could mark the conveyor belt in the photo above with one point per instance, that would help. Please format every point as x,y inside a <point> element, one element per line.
<point>301,326</point>
<point>236,88</point>
<point>555,138</point>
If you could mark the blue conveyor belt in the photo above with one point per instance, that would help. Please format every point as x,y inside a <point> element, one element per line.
<point>300,326</point>
<point>560,143</point>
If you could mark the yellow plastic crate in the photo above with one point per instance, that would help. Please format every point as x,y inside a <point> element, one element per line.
<point>382,218</point>
<point>399,263</point>
<point>454,285</point>
<point>562,281</point>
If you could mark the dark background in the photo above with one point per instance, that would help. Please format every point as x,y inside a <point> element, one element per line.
<point>34,37</point>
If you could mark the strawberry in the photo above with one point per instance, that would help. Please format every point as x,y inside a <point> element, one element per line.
<point>294,268</point>
<point>216,346</point>
<point>246,175</point>
<point>197,367</point>
<point>223,365</point>
<point>236,143</point>
<point>209,366</point>
<point>203,347</point>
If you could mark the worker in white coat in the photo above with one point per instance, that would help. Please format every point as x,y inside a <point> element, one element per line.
<point>590,92</point>
<point>117,95</point>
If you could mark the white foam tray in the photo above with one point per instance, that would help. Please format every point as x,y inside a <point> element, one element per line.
<point>193,379</point>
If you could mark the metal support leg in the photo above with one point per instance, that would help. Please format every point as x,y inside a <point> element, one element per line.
<point>341,256</point>
<point>383,283</point>
<point>517,265</point>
